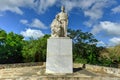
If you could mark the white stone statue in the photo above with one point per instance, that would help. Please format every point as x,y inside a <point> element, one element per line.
<point>56,28</point>
<point>59,24</point>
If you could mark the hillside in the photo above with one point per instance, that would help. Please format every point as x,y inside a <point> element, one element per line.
<point>112,53</point>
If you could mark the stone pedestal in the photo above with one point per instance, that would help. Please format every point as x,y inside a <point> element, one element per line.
<point>59,55</point>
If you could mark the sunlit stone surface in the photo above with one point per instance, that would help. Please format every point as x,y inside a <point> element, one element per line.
<point>59,56</point>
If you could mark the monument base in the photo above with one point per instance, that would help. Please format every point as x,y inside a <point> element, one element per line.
<point>59,55</point>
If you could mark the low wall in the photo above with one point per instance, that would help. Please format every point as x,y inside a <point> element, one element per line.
<point>113,71</point>
<point>95,68</point>
<point>2,66</point>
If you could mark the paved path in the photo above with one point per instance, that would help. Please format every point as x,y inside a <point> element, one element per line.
<point>38,73</point>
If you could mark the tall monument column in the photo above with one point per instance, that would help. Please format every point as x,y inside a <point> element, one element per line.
<point>59,46</point>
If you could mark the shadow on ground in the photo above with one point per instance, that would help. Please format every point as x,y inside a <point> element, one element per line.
<point>77,69</point>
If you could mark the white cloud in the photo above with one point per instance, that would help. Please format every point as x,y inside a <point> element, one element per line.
<point>35,23</point>
<point>91,8</point>
<point>69,4</point>
<point>96,11</point>
<point>81,4</point>
<point>116,9</point>
<point>38,24</point>
<point>114,41</point>
<point>14,5</point>
<point>23,21</point>
<point>32,33</point>
<point>110,28</point>
<point>101,43</point>
<point>42,5</point>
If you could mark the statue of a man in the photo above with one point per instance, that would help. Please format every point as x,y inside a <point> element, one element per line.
<point>59,24</point>
<point>63,18</point>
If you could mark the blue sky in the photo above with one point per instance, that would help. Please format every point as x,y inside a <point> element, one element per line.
<point>33,17</point>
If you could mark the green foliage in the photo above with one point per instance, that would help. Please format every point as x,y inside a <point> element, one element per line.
<point>35,50</point>
<point>84,47</point>
<point>14,49</point>
<point>10,47</point>
<point>2,36</point>
<point>105,61</point>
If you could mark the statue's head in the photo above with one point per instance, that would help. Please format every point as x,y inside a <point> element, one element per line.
<point>62,8</point>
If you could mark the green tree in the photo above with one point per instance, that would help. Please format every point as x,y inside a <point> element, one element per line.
<point>10,50</point>
<point>84,47</point>
<point>3,35</point>
<point>35,50</point>
<point>14,47</point>
<point>3,52</point>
